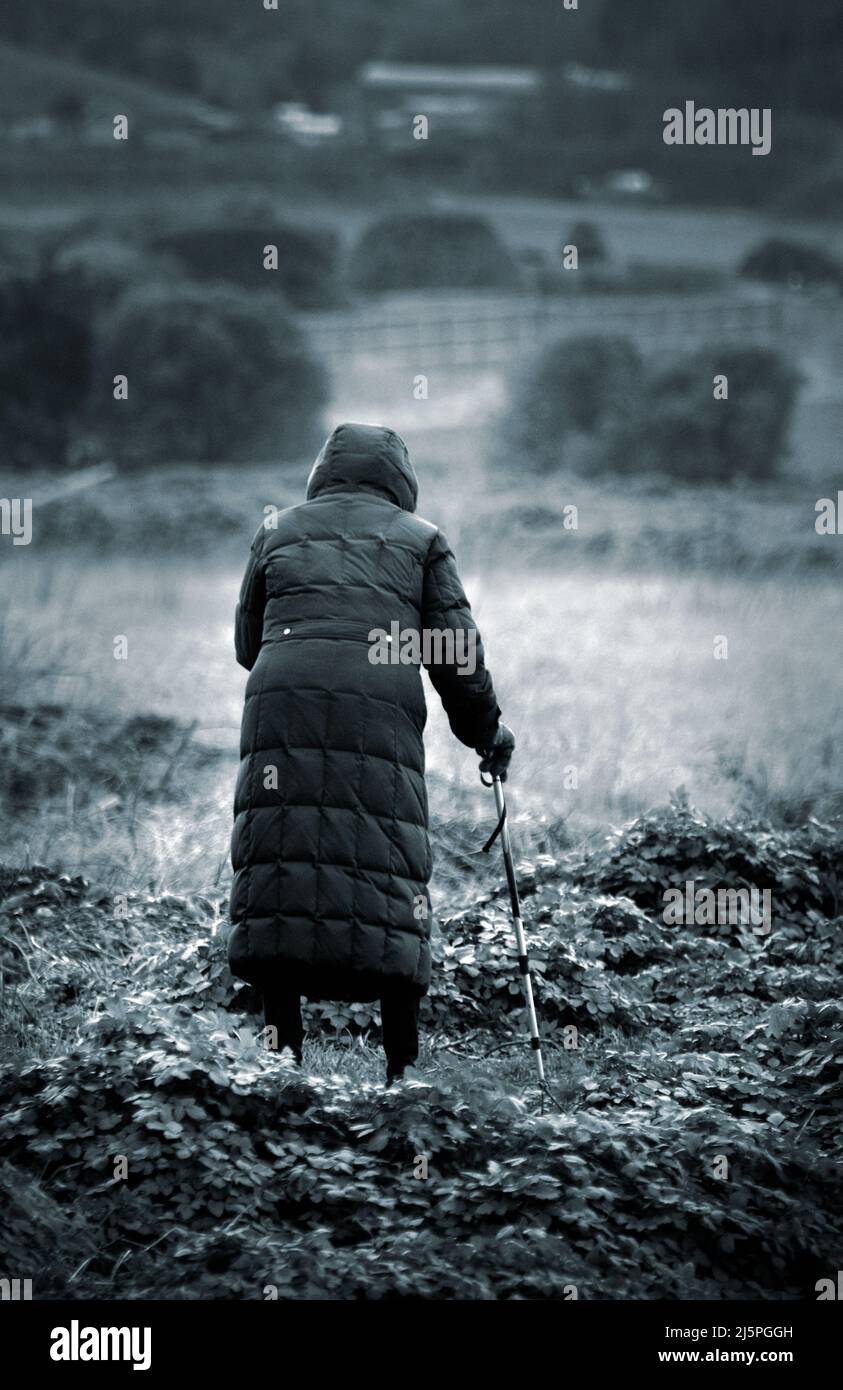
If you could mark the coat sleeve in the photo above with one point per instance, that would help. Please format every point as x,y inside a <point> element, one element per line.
<point>248,619</point>
<point>468,696</point>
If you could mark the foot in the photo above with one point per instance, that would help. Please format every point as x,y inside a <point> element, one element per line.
<point>290,1054</point>
<point>265,1037</point>
<point>407,1073</point>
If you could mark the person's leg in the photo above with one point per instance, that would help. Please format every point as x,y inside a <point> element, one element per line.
<point>282,1011</point>
<point>400,1020</point>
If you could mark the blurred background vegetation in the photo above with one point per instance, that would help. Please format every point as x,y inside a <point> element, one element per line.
<point>424,283</point>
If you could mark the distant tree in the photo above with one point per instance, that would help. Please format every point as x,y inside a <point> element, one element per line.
<point>429,251</point>
<point>44,372</point>
<point>589,242</point>
<point>779,262</point>
<point>681,430</point>
<point>90,273</point>
<point>68,109</point>
<point>792,51</point>
<point>594,392</point>
<point>169,61</point>
<point>584,385</point>
<point>306,271</point>
<point>821,195</point>
<point>213,373</point>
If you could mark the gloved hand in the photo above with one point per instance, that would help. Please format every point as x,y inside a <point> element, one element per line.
<point>496,759</point>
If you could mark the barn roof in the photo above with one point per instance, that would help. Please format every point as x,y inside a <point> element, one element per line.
<point>450,75</point>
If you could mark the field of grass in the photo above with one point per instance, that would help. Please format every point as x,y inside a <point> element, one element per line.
<point>50,184</point>
<point>614,675</point>
<point>127,1036</point>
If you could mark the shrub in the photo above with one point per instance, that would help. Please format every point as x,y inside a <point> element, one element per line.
<point>589,242</point>
<point>213,373</point>
<point>589,400</point>
<point>818,197</point>
<point>20,258</point>
<point>90,274</point>
<point>235,255</point>
<point>778,262</point>
<point>648,277</point>
<point>431,252</point>
<point>44,372</point>
<point>580,384</point>
<point>679,428</point>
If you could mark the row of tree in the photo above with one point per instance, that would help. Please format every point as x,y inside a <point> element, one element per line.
<point>307,49</point>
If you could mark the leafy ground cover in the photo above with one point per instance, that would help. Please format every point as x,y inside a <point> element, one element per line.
<point>150,1145</point>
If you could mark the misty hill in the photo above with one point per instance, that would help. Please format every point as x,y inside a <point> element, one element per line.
<point>247,56</point>
<point>34,82</point>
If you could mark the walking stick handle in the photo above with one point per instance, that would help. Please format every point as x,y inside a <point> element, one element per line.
<point>506,845</point>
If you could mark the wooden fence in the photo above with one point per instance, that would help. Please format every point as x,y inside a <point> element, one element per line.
<point>481,330</point>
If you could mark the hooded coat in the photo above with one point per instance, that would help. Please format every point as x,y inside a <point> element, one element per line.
<point>330,845</point>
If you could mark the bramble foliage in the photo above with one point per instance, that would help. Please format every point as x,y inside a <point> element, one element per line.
<point>803,868</point>
<point>245,1175</point>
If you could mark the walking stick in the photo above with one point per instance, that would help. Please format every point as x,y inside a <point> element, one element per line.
<point>502,829</point>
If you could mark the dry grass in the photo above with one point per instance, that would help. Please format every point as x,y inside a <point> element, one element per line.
<point>612,674</point>
<point>601,641</point>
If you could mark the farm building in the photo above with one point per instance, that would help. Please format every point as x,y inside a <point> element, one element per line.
<point>464,103</point>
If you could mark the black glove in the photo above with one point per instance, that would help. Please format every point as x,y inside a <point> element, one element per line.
<point>497,757</point>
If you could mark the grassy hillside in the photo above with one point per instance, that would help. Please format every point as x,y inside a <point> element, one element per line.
<point>32,81</point>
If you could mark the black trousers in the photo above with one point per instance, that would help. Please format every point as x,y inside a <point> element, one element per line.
<point>399,1016</point>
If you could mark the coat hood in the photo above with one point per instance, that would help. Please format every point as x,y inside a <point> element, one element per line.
<point>370,457</point>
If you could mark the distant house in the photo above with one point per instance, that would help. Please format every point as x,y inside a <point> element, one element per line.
<point>596,79</point>
<point>297,123</point>
<point>464,103</point>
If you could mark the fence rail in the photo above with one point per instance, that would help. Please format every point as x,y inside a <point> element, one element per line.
<point>493,330</point>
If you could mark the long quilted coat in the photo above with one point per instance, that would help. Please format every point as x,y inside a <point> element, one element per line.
<point>330,846</point>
